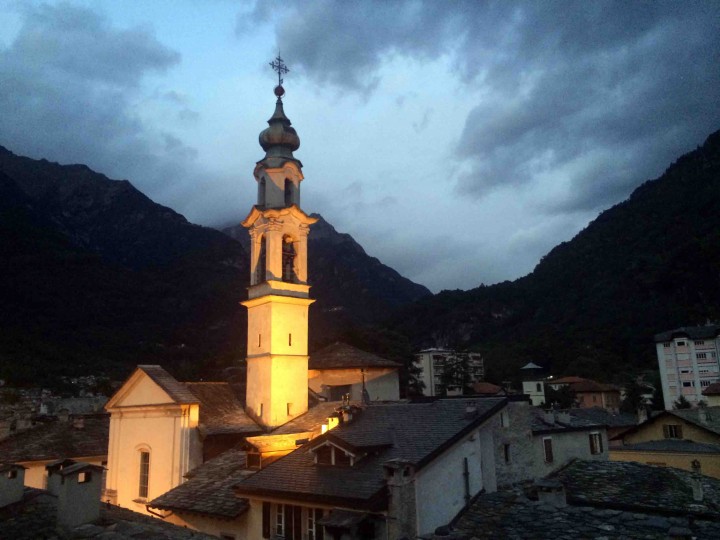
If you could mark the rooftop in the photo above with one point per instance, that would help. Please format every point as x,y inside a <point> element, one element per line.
<point>712,390</point>
<point>598,415</point>
<point>414,433</point>
<point>709,331</point>
<point>671,446</point>
<point>175,389</point>
<point>208,489</point>
<point>343,356</point>
<point>59,439</point>
<point>221,410</point>
<point>562,421</point>
<point>34,517</point>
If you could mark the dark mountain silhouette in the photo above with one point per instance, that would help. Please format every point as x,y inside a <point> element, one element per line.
<point>593,304</point>
<point>95,277</point>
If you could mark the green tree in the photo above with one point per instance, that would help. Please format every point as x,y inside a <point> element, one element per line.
<point>562,398</point>
<point>682,403</point>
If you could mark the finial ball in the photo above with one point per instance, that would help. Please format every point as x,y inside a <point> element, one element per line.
<point>279,91</point>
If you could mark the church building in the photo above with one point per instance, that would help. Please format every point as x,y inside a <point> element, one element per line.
<point>312,451</point>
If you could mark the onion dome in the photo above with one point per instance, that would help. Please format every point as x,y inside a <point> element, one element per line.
<point>280,139</point>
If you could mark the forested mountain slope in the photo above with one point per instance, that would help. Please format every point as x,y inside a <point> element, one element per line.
<point>592,305</point>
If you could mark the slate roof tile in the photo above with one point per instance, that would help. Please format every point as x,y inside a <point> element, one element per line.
<point>671,446</point>
<point>58,440</point>
<point>174,388</point>
<point>418,431</point>
<point>343,356</point>
<point>221,411</point>
<point>208,489</point>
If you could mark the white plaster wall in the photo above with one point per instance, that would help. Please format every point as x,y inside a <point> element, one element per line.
<point>567,446</point>
<point>381,383</point>
<point>440,486</point>
<point>35,472</point>
<point>158,429</point>
<point>235,527</point>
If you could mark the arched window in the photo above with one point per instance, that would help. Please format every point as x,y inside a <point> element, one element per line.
<point>261,192</point>
<point>261,262</point>
<point>144,472</point>
<point>288,192</point>
<point>288,260</point>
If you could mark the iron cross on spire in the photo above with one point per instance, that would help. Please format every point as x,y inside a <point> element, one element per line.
<point>279,66</point>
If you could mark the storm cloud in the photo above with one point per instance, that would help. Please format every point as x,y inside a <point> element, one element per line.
<point>597,95</point>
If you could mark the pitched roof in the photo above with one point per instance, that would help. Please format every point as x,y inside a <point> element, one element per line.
<point>562,421</point>
<point>712,390</point>
<point>579,384</point>
<point>671,446</point>
<point>310,421</point>
<point>598,415</point>
<point>58,440</point>
<point>221,410</point>
<point>633,486</point>
<point>35,517</point>
<point>709,331</point>
<point>531,365</point>
<point>567,380</point>
<point>607,499</point>
<point>208,489</point>
<point>343,356</point>
<point>417,432</point>
<point>710,423</point>
<point>482,387</point>
<point>174,388</point>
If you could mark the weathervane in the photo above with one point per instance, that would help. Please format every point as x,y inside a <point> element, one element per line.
<point>279,66</point>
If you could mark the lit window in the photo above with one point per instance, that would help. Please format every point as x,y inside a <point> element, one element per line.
<point>672,431</point>
<point>144,474</point>
<point>548,449</point>
<point>596,446</point>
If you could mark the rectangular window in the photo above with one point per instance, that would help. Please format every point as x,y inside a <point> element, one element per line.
<point>548,449</point>
<point>144,474</point>
<point>266,520</point>
<point>504,419</point>
<point>688,384</point>
<point>705,384</point>
<point>314,530</point>
<point>666,345</point>
<point>699,342</point>
<point>680,343</point>
<point>596,445</point>
<point>672,431</point>
<point>700,355</point>
<point>280,520</point>
<point>506,452</point>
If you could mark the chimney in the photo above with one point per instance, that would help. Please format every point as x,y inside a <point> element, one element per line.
<point>563,416</point>
<point>54,479</point>
<point>79,495</point>
<point>550,416</point>
<point>551,492</point>
<point>696,481</point>
<point>642,414</point>
<point>400,480</point>
<point>12,483</point>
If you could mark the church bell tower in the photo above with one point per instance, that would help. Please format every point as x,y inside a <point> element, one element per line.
<point>278,297</point>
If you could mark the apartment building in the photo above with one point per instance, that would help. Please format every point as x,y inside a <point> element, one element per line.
<point>688,362</point>
<point>447,372</point>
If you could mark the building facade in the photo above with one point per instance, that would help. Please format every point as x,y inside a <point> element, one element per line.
<point>688,362</point>
<point>447,372</point>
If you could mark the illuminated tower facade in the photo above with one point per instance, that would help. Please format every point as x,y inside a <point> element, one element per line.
<point>278,297</point>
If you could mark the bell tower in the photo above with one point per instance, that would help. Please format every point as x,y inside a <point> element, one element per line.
<point>278,297</point>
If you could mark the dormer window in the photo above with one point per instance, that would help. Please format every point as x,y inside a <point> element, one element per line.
<point>329,454</point>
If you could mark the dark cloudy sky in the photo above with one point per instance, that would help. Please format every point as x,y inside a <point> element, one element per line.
<point>456,141</point>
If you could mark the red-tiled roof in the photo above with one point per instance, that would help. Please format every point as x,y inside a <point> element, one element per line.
<point>482,387</point>
<point>712,390</point>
